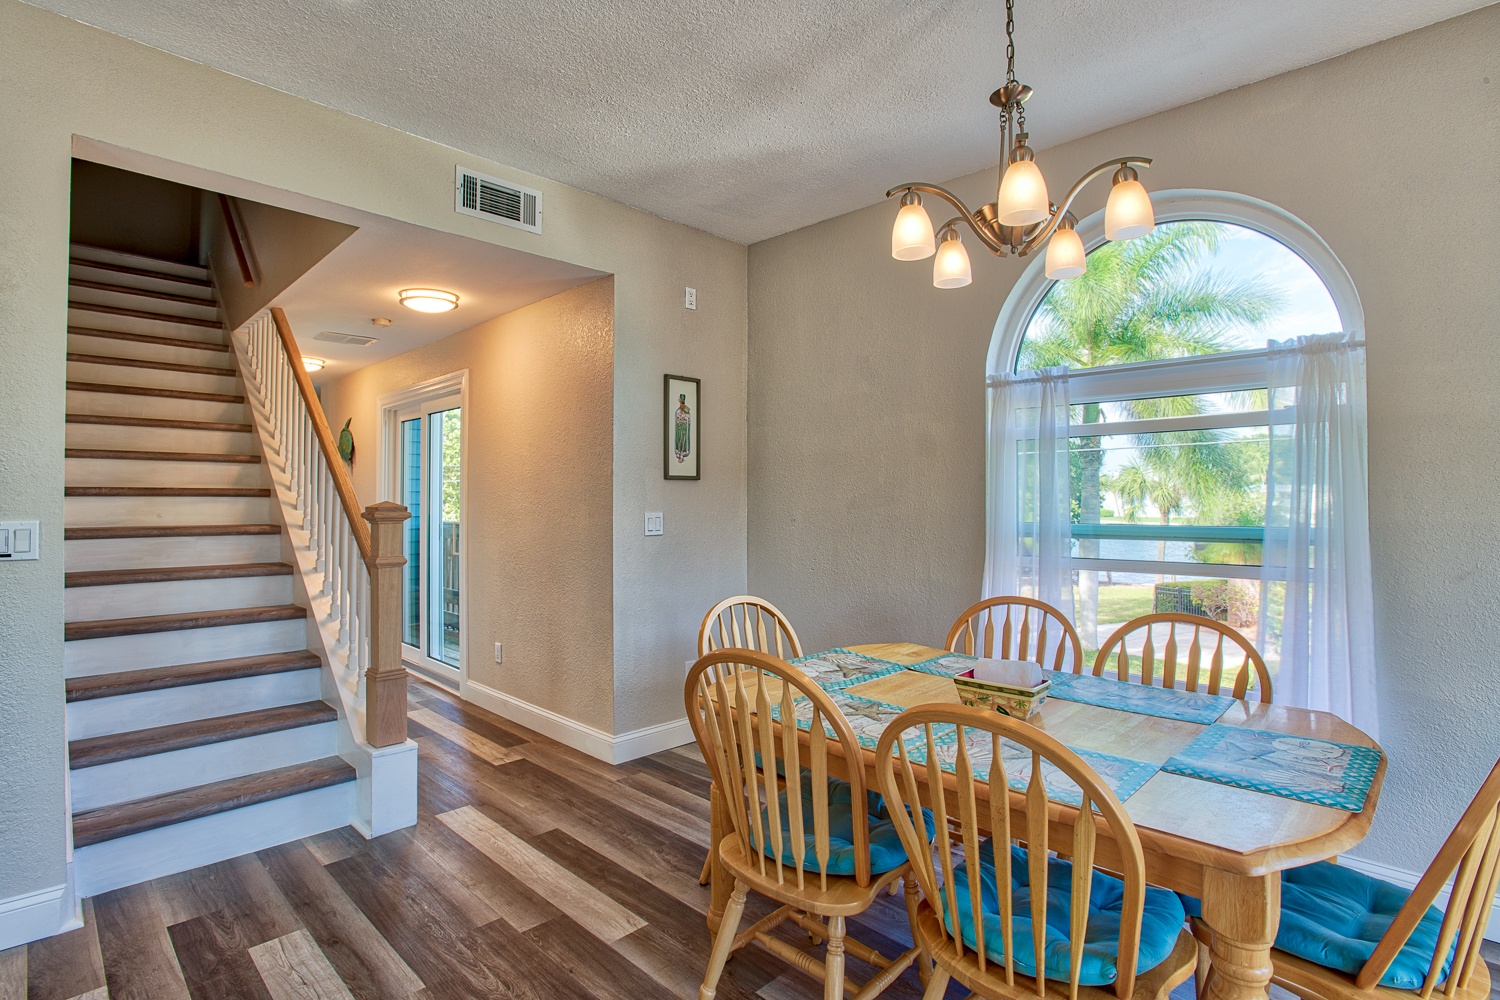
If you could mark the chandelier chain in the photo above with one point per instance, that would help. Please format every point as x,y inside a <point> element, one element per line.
<point>1010,63</point>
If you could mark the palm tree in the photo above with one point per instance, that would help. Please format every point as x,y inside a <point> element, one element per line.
<point>1147,299</point>
<point>1201,471</point>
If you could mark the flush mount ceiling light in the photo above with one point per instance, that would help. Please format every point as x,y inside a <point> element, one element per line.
<point>428,300</point>
<point>1021,219</point>
<point>313,364</point>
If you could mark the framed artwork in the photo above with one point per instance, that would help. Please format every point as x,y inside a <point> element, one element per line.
<point>682,429</point>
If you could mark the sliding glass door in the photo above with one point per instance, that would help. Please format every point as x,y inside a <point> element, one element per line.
<point>427,441</point>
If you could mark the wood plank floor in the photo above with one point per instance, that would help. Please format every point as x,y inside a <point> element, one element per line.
<point>534,872</point>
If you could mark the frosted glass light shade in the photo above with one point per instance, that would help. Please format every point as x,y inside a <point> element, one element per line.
<point>1065,257</point>
<point>950,269</point>
<point>911,237</point>
<point>428,300</point>
<point>1023,195</point>
<point>1128,213</point>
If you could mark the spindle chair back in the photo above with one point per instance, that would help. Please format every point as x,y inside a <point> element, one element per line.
<point>1200,653</point>
<point>747,622</point>
<point>1018,628</point>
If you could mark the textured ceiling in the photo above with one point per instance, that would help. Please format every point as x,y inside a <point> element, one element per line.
<point>749,119</point>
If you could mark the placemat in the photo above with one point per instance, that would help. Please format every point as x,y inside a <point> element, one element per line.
<point>840,668</point>
<point>1322,772</point>
<point>1123,775</point>
<point>867,717</point>
<point>1142,699</point>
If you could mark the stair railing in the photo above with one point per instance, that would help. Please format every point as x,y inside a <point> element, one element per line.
<point>352,568</point>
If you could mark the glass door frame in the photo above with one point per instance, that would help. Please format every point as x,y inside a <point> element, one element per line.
<point>433,396</point>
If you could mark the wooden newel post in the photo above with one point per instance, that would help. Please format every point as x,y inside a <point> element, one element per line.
<point>385,677</point>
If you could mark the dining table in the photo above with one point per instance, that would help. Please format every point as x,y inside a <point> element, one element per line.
<point>1222,843</point>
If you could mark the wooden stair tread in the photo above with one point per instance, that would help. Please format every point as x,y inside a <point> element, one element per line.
<point>104,628</point>
<point>156,317</point>
<point>98,750</point>
<point>161,456</point>
<point>146,390</point>
<point>111,420</point>
<point>218,371</point>
<point>165,491</point>
<point>139,272</point>
<point>167,574</point>
<point>147,338</point>
<point>182,675</point>
<point>147,293</point>
<point>112,822</point>
<point>91,532</point>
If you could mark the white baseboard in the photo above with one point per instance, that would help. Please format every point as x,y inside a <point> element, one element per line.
<point>39,914</point>
<point>595,742</point>
<point>1408,880</point>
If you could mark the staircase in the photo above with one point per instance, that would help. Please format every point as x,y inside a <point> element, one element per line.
<point>197,726</point>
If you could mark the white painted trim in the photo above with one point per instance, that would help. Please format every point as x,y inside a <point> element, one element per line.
<point>36,915</point>
<point>570,732</point>
<point>1408,880</point>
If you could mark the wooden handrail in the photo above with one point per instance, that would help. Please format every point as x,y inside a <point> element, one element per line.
<point>342,484</point>
<point>237,241</point>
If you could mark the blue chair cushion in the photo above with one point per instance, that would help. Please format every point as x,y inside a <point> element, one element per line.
<point>886,851</point>
<point>1161,921</point>
<point>1335,916</point>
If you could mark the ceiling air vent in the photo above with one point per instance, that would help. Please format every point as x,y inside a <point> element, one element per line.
<point>497,200</point>
<point>354,339</point>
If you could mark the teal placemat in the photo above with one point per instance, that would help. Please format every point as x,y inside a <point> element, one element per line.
<point>1123,775</point>
<point>840,668</point>
<point>867,717</point>
<point>1318,771</point>
<point>1142,699</point>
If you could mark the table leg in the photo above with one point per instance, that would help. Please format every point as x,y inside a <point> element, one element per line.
<point>720,882</point>
<point>1242,912</point>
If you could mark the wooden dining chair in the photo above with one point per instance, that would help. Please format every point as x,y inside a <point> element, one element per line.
<point>1231,659</point>
<point>746,622</point>
<point>1028,630</point>
<point>1345,935</point>
<point>821,847</point>
<point>986,914</point>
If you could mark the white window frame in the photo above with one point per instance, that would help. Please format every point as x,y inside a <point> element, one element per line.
<point>1231,371</point>
<point>390,409</point>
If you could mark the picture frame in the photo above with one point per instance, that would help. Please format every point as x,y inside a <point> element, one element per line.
<point>682,427</point>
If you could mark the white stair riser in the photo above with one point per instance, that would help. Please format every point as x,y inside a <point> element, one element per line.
<point>153,378</point>
<point>86,253</point>
<point>144,303</point>
<point>194,550</point>
<point>125,437</point>
<point>153,327</point>
<point>139,472</point>
<point>167,510</point>
<point>89,657</point>
<point>130,600</point>
<point>125,780</point>
<point>163,407</point>
<point>144,856</point>
<point>82,343</point>
<point>126,713</point>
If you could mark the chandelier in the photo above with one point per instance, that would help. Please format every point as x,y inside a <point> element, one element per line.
<point>1021,218</point>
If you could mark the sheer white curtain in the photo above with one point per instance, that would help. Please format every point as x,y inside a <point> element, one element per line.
<point>1317,551</point>
<point>1029,539</point>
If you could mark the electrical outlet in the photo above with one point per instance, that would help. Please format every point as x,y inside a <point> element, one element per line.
<point>687,667</point>
<point>499,653</point>
<point>691,299</point>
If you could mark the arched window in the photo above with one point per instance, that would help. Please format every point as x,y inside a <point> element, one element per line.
<point>1168,427</point>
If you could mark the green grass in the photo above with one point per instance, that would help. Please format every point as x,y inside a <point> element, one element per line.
<point>1121,602</point>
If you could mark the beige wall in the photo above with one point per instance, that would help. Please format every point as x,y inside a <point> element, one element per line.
<point>538,496</point>
<point>62,79</point>
<point>866,391</point>
<point>282,245</point>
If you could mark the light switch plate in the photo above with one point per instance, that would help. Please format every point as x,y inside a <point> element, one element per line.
<point>20,540</point>
<point>654,524</point>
